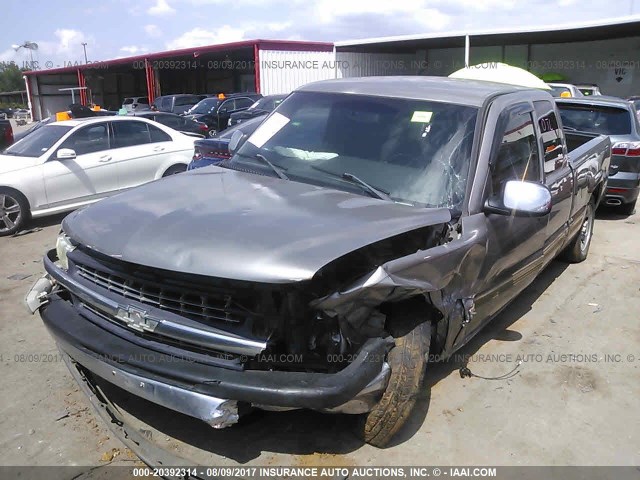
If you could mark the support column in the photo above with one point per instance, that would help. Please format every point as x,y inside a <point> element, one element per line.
<point>152,81</point>
<point>256,66</point>
<point>82,83</point>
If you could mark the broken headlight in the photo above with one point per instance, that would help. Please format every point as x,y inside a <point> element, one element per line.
<point>63,248</point>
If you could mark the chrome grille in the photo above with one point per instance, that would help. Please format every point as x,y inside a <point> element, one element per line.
<point>207,308</point>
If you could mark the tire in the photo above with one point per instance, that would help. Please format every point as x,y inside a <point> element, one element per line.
<point>174,169</point>
<point>14,211</point>
<point>628,208</point>
<point>578,249</point>
<point>408,362</point>
<point>212,133</point>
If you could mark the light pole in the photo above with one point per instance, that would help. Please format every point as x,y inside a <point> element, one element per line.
<point>84,47</point>
<point>31,46</point>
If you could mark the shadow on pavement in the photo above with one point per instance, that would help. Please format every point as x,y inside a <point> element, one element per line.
<point>39,223</point>
<point>610,213</point>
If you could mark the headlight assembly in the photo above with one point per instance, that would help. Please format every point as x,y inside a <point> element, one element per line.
<point>63,248</point>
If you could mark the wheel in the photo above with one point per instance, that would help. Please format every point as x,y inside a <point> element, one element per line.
<point>628,208</point>
<point>174,169</point>
<point>212,133</point>
<point>578,249</point>
<point>408,362</point>
<point>14,211</point>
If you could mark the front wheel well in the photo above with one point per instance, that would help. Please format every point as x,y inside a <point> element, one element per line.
<point>16,192</point>
<point>175,168</point>
<point>404,315</point>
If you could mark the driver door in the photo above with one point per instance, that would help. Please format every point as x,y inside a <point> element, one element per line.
<point>515,244</point>
<point>89,176</point>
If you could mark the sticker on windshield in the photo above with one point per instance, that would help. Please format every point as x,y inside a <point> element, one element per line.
<point>268,129</point>
<point>422,117</point>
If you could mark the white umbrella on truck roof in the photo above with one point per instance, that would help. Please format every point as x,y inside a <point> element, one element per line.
<point>500,73</point>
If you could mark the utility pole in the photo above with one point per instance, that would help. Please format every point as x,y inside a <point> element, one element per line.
<point>84,47</point>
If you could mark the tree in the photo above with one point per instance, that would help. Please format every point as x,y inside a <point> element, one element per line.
<point>11,77</point>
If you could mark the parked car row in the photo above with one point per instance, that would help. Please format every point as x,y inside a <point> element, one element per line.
<point>216,111</point>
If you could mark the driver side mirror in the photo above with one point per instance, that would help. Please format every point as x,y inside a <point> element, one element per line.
<point>66,154</point>
<point>235,141</point>
<point>521,199</point>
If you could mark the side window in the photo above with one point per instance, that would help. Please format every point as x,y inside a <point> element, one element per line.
<point>227,105</point>
<point>158,135</point>
<point>129,134</point>
<point>517,157</point>
<point>93,138</point>
<point>552,136</point>
<point>169,120</point>
<point>165,104</point>
<point>244,102</point>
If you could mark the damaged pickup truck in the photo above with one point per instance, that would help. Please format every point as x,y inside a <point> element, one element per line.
<point>367,224</point>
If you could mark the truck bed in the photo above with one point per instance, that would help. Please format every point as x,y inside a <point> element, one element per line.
<point>577,139</point>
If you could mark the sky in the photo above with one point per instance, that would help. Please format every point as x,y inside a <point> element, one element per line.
<point>122,28</point>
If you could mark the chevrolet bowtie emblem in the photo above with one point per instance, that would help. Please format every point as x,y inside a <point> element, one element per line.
<point>136,319</point>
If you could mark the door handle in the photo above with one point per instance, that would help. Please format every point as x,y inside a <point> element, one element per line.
<point>105,158</point>
<point>158,149</point>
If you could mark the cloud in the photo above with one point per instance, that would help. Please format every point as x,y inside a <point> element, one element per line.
<point>199,36</point>
<point>134,49</point>
<point>409,15</point>
<point>152,30</point>
<point>161,8</point>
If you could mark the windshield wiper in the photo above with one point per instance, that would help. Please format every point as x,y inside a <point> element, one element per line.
<point>376,192</point>
<point>382,195</point>
<point>278,171</point>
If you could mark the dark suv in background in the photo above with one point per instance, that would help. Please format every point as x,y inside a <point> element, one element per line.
<point>261,108</point>
<point>616,118</point>
<point>215,111</point>
<point>178,103</point>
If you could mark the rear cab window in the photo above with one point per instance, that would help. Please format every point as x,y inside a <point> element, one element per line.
<point>600,119</point>
<point>554,155</point>
<point>187,100</point>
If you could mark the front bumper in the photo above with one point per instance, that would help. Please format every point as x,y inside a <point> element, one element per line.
<point>187,384</point>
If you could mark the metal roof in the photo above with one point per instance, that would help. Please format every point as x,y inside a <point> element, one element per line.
<point>440,89</point>
<point>552,33</point>
<point>194,52</point>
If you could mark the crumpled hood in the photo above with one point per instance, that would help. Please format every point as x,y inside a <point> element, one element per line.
<point>242,226</point>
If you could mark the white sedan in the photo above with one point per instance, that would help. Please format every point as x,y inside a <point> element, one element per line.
<point>65,165</point>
